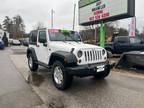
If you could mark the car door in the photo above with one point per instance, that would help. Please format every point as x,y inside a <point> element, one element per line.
<point>42,49</point>
<point>122,45</point>
<point>136,44</point>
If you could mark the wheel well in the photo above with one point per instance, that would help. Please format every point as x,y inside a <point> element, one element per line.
<point>56,58</point>
<point>109,49</point>
<point>28,52</point>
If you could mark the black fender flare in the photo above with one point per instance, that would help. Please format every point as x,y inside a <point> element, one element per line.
<point>69,56</point>
<point>109,48</point>
<point>31,50</point>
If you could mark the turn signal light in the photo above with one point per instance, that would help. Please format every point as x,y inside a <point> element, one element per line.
<point>65,60</point>
<point>105,58</point>
<point>80,61</point>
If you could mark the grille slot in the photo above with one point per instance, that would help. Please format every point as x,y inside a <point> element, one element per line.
<point>93,55</point>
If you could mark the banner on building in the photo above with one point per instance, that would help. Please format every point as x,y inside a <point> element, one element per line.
<point>132,27</point>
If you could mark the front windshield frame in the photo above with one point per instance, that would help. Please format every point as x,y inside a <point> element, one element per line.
<point>66,35</point>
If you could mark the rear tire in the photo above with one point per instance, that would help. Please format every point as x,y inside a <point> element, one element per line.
<point>102,75</point>
<point>31,63</point>
<point>62,80</point>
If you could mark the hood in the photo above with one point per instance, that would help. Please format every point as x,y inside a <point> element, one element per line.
<point>67,46</point>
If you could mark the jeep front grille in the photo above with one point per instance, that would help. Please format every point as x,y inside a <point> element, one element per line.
<point>93,55</point>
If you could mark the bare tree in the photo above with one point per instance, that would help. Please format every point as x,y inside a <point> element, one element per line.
<point>39,25</point>
<point>123,32</point>
<point>18,26</point>
<point>7,23</point>
<point>14,26</point>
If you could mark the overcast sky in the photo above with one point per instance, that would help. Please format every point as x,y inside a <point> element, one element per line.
<point>33,11</point>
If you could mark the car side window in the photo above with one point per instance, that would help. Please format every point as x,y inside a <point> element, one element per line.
<point>122,40</point>
<point>135,41</point>
<point>42,37</point>
<point>33,37</point>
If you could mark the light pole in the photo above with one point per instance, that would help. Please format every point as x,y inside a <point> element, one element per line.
<point>52,13</point>
<point>74,16</point>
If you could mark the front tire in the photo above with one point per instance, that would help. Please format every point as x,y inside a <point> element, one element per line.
<point>102,75</point>
<point>31,63</point>
<point>62,80</point>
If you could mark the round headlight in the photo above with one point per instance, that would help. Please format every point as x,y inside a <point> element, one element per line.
<point>79,54</point>
<point>103,52</point>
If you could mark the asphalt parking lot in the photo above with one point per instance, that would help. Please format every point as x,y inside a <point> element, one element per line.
<point>119,90</point>
<point>14,91</point>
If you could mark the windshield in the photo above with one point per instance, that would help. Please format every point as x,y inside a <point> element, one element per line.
<point>63,35</point>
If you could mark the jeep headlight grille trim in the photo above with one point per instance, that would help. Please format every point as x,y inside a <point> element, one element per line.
<point>103,52</point>
<point>93,55</point>
<point>79,54</point>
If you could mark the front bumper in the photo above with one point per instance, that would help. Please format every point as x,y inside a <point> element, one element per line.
<point>90,69</point>
<point>16,44</point>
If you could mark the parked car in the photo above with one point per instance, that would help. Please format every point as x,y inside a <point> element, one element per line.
<point>1,44</point>
<point>16,42</point>
<point>123,44</point>
<point>66,55</point>
<point>26,41</point>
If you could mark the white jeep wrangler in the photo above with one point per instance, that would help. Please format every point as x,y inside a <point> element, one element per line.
<point>66,55</point>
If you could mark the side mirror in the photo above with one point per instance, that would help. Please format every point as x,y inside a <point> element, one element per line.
<point>42,40</point>
<point>45,44</point>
